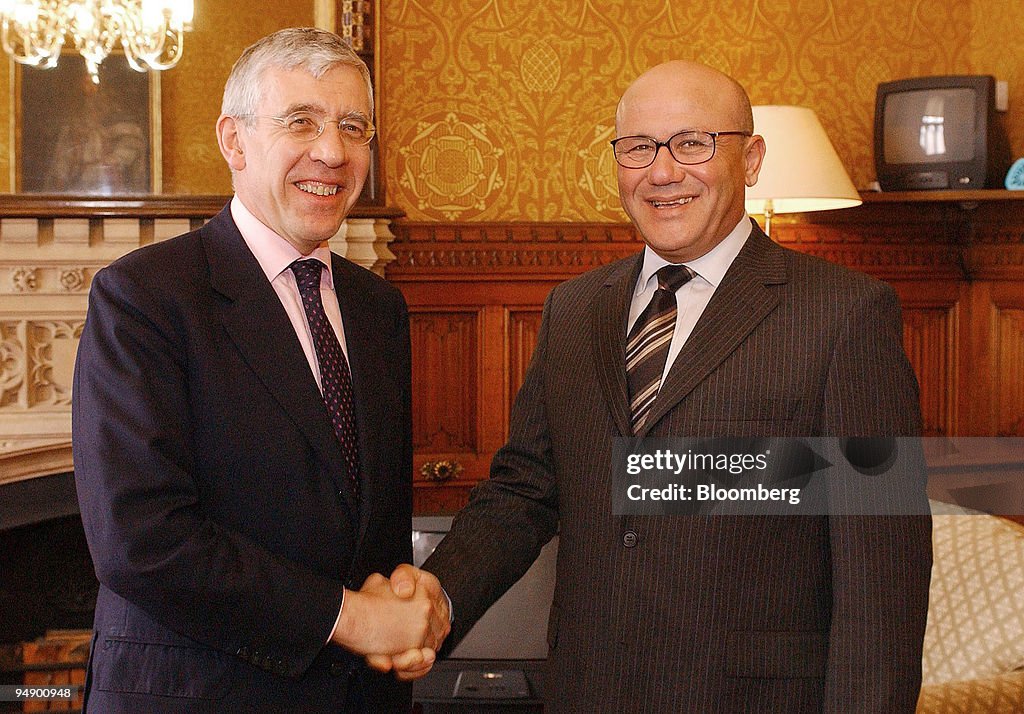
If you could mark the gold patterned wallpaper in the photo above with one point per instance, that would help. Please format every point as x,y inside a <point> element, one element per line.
<point>192,90</point>
<point>501,110</point>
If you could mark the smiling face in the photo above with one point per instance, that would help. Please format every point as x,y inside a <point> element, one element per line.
<point>682,212</point>
<point>300,190</point>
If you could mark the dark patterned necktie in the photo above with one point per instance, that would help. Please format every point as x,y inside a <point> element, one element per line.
<point>335,378</point>
<point>647,344</point>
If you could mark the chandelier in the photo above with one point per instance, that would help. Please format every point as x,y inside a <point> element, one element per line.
<point>149,31</point>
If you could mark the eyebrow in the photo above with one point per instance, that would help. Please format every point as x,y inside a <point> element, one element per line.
<point>319,109</point>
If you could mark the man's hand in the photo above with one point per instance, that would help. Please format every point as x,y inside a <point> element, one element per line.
<point>376,620</point>
<point>410,582</point>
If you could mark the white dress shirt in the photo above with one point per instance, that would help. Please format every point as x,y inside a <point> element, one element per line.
<point>694,296</point>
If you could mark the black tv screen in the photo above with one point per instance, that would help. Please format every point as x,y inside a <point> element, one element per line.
<point>930,126</point>
<point>939,133</point>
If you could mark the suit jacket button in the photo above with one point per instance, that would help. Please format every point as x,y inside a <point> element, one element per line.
<point>338,669</point>
<point>629,539</point>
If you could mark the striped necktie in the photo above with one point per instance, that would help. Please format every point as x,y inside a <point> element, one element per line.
<point>648,343</point>
<point>335,378</point>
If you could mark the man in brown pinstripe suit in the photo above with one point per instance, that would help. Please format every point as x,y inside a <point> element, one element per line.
<point>696,613</point>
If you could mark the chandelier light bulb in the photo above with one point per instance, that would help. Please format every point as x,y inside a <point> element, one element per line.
<point>82,17</point>
<point>25,14</point>
<point>152,15</point>
<point>183,11</point>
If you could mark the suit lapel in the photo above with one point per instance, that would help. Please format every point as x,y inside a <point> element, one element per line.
<point>258,325</point>
<point>609,315</point>
<point>741,302</point>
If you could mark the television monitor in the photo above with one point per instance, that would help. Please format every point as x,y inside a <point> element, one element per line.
<point>515,627</point>
<point>939,133</point>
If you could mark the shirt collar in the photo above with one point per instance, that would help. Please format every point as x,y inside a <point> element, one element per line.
<point>711,266</point>
<point>273,253</point>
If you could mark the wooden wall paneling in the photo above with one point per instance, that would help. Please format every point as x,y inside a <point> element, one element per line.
<point>879,239</point>
<point>506,310</point>
<point>506,339</point>
<point>444,347</point>
<point>993,245</point>
<point>506,253</point>
<point>502,273</point>
<point>1007,347</point>
<point>976,396</point>
<point>494,365</point>
<point>446,357</point>
<point>931,337</point>
<point>524,324</point>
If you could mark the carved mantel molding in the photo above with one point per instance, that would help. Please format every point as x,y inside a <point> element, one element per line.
<point>50,249</point>
<point>891,237</point>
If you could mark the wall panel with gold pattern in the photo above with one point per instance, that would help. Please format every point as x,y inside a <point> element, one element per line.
<point>501,110</point>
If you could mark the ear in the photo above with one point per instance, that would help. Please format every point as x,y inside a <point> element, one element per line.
<point>231,140</point>
<point>753,157</point>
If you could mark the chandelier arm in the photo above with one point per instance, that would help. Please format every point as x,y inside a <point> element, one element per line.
<point>34,32</point>
<point>177,47</point>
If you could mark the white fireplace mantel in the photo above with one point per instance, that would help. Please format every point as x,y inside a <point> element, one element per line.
<point>50,249</point>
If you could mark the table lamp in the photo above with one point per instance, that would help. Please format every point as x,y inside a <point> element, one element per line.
<point>801,169</point>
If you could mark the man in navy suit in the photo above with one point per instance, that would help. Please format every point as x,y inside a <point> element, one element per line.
<point>242,427</point>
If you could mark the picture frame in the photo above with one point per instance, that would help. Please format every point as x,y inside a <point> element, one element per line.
<point>332,15</point>
<point>77,137</point>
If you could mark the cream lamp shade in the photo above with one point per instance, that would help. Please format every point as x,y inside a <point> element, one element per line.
<point>801,169</point>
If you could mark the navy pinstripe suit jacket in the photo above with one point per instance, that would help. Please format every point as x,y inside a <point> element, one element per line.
<point>708,614</point>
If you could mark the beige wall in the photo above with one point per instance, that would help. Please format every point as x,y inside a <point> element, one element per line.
<point>502,109</point>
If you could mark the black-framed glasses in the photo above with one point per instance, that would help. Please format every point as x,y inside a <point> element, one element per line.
<point>307,126</point>
<point>686,147</point>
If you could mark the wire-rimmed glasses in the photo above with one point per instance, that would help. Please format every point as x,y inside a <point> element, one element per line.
<point>307,126</point>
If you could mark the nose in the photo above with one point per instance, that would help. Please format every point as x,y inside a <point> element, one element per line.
<point>665,169</point>
<point>329,148</point>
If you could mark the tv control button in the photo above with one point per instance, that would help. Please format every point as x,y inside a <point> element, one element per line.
<point>630,539</point>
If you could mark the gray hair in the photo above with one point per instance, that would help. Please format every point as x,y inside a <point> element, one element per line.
<point>308,48</point>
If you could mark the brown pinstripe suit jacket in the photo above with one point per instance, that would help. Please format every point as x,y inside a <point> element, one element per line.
<point>708,614</point>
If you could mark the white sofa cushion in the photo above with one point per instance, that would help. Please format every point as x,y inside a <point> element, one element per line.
<point>976,611</point>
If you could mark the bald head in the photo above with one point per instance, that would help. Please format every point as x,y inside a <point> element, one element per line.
<point>682,208</point>
<point>720,94</point>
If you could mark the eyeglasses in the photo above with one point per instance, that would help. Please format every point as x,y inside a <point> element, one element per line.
<point>307,126</point>
<point>686,147</point>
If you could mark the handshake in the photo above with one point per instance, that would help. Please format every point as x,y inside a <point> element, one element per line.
<point>397,624</point>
